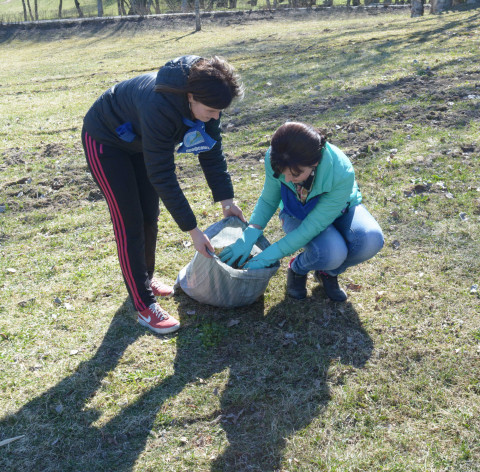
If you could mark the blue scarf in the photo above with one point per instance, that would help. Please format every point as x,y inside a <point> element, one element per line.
<point>196,139</point>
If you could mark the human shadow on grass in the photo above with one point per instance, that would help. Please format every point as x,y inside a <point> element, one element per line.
<point>278,378</point>
<point>277,385</point>
<point>57,425</point>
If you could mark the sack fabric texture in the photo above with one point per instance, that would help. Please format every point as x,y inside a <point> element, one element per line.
<point>210,281</point>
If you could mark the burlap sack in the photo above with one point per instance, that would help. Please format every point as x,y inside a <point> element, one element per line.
<point>212,282</point>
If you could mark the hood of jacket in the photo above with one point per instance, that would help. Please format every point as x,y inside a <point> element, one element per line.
<point>175,72</point>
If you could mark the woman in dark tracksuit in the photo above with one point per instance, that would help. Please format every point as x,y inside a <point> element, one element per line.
<point>129,136</point>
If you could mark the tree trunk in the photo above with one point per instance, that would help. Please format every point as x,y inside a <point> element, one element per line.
<point>29,10</point>
<point>100,7</point>
<point>268,4</point>
<point>198,23</point>
<point>60,6</point>
<point>122,11</point>
<point>417,8</point>
<point>36,10</point>
<point>440,5</point>
<point>184,6</point>
<point>157,7</point>
<point>79,10</point>
<point>24,10</point>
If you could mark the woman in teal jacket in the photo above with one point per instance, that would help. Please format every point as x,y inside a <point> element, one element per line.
<point>314,184</point>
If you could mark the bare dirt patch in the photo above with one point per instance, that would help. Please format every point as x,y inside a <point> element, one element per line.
<point>358,136</point>
<point>50,177</point>
<point>64,180</point>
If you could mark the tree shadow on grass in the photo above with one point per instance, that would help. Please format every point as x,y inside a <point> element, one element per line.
<point>277,385</point>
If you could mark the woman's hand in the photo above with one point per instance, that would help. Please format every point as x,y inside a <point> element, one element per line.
<point>241,248</point>
<point>201,242</point>
<point>230,208</point>
<point>266,258</point>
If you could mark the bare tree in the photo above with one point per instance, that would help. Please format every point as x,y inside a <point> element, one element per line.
<point>24,10</point>
<point>121,7</point>
<point>36,10</point>
<point>60,6</point>
<point>79,10</point>
<point>417,8</point>
<point>198,24</point>
<point>440,5</point>
<point>29,9</point>
<point>139,7</point>
<point>157,6</point>
<point>100,7</point>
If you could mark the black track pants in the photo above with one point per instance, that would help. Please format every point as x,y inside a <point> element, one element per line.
<point>134,208</point>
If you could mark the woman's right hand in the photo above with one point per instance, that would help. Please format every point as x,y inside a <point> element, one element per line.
<point>201,242</point>
<point>241,248</point>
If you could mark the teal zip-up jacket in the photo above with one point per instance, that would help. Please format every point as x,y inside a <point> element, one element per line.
<point>335,185</point>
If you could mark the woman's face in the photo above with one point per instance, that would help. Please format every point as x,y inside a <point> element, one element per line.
<point>297,177</point>
<point>202,112</point>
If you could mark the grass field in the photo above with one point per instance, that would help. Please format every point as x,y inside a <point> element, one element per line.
<point>388,381</point>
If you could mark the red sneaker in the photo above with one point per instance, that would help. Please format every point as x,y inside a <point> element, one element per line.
<point>160,289</point>
<point>158,320</point>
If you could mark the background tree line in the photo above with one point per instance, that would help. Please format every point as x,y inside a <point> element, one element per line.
<point>148,7</point>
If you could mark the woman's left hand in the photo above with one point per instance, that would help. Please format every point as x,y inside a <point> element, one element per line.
<point>230,208</point>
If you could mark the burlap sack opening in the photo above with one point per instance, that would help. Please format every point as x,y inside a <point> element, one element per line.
<point>212,282</point>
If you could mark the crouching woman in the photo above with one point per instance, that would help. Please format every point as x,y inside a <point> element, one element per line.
<point>314,184</point>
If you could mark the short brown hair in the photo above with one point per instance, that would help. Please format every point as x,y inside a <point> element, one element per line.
<point>295,145</point>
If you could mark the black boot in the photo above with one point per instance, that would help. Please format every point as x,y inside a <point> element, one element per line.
<point>330,285</point>
<point>296,285</point>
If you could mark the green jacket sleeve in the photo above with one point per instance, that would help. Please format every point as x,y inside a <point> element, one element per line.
<point>269,199</point>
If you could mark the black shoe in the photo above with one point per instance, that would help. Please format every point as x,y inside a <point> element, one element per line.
<point>330,285</point>
<point>296,285</point>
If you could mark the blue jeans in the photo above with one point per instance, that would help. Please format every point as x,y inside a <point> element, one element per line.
<point>351,239</point>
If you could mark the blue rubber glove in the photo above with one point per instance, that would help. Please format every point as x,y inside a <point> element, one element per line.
<point>266,258</point>
<point>241,248</point>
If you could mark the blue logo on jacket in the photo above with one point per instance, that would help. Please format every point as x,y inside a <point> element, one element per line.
<point>196,139</point>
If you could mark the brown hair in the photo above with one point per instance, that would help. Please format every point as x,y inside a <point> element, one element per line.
<point>295,145</point>
<point>212,82</point>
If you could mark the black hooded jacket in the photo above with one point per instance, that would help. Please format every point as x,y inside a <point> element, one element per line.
<point>156,119</point>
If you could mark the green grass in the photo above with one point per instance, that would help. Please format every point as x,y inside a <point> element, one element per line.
<point>388,381</point>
